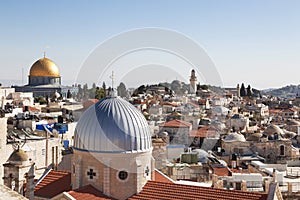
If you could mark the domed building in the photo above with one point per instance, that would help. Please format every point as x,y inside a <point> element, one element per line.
<point>43,72</point>
<point>44,80</point>
<point>112,149</point>
<point>16,171</point>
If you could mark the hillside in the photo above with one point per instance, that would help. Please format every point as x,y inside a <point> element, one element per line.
<point>288,91</point>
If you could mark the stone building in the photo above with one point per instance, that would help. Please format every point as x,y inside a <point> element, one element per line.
<point>16,171</point>
<point>112,149</point>
<point>274,145</point>
<point>178,131</point>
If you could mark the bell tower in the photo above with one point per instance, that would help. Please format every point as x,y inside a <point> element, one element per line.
<point>193,82</point>
<point>17,171</point>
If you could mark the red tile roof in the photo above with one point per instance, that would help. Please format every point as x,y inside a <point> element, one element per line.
<point>88,192</point>
<point>31,108</point>
<point>89,102</point>
<point>170,104</point>
<point>167,191</point>
<point>276,111</point>
<point>242,171</point>
<point>202,101</point>
<point>160,177</point>
<point>176,123</point>
<point>222,171</point>
<point>203,132</point>
<point>54,183</point>
<point>289,110</point>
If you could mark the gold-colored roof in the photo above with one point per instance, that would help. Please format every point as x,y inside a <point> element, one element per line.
<point>44,67</point>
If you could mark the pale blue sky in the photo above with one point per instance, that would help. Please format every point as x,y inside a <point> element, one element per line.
<point>256,42</point>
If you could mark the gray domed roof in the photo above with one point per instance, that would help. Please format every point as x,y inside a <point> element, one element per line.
<point>112,125</point>
<point>18,156</point>
<point>235,137</point>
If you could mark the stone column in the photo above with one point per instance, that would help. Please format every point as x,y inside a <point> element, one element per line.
<point>106,177</point>
<point>30,183</point>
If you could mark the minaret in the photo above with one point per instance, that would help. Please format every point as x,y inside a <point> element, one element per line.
<point>238,91</point>
<point>193,82</point>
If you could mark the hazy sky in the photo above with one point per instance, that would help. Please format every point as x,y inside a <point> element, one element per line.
<point>256,42</point>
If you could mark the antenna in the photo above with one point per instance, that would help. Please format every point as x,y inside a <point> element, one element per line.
<point>44,54</point>
<point>22,75</point>
<point>112,92</point>
<point>112,77</point>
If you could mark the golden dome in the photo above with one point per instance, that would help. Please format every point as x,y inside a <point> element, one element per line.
<point>44,67</point>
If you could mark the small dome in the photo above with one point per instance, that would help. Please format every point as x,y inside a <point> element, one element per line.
<point>44,67</point>
<point>112,125</point>
<point>292,122</point>
<point>202,155</point>
<point>254,137</point>
<point>235,137</point>
<point>18,156</point>
<point>273,129</point>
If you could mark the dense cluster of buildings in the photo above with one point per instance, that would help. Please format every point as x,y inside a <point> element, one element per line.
<point>155,145</point>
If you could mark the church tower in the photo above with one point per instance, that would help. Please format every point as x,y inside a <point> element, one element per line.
<point>17,171</point>
<point>193,82</point>
<point>112,149</point>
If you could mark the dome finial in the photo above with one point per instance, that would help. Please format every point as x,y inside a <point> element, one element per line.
<point>44,54</point>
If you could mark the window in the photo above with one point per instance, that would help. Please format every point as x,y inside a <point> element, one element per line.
<point>123,175</point>
<point>282,150</point>
<point>43,152</point>
<point>91,173</point>
<point>147,171</point>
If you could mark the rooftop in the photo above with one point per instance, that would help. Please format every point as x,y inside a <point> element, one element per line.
<point>176,123</point>
<point>54,183</point>
<point>179,191</point>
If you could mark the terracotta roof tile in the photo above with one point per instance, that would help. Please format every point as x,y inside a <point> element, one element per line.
<point>170,104</point>
<point>88,192</point>
<point>176,123</point>
<point>54,183</point>
<point>203,132</point>
<point>160,177</point>
<point>158,190</point>
<point>221,171</point>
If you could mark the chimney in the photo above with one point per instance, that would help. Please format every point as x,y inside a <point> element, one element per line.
<point>30,183</point>
<point>267,186</point>
<point>290,187</point>
<point>274,176</point>
<point>244,186</point>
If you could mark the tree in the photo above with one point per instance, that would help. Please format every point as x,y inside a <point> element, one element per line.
<point>92,91</point>
<point>80,92</point>
<point>100,93</point>
<point>104,88</point>
<point>249,91</point>
<point>204,87</point>
<point>69,94</point>
<point>122,91</point>
<point>243,90</point>
<point>85,91</point>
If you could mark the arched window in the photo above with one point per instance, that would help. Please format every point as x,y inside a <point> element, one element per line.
<point>282,150</point>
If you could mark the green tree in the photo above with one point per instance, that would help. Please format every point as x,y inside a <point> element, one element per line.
<point>249,91</point>
<point>85,91</point>
<point>122,91</point>
<point>69,94</point>
<point>243,90</point>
